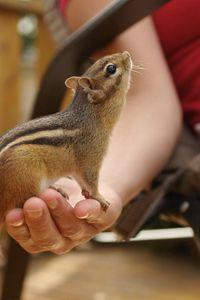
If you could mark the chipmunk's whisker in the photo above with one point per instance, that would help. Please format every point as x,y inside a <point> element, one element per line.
<point>131,82</point>
<point>137,69</point>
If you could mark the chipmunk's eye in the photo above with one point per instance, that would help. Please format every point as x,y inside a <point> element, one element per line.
<point>111,69</point>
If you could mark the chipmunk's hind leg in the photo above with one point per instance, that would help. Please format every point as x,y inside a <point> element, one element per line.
<point>60,190</point>
<point>17,184</point>
<point>89,185</point>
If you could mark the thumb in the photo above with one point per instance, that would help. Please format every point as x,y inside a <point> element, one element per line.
<point>90,210</point>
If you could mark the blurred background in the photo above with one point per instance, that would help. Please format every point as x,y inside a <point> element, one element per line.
<point>26,46</point>
<point>151,269</point>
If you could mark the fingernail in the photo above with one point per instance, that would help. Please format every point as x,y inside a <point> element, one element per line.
<point>17,223</point>
<point>53,203</point>
<point>34,213</point>
<point>84,216</point>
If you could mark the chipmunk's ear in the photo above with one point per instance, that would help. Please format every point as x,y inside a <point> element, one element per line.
<point>72,82</point>
<point>94,95</point>
<point>86,83</point>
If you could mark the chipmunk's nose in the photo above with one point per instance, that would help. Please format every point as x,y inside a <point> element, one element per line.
<point>126,53</point>
<point>127,60</point>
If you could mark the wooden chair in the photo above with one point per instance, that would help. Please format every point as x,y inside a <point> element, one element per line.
<point>92,36</point>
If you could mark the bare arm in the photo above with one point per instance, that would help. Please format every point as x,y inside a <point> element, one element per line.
<point>140,146</point>
<point>150,124</point>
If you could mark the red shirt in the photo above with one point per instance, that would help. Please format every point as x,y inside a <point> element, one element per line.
<point>62,4</point>
<point>178,27</point>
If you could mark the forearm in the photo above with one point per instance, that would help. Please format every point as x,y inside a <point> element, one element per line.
<point>140,147</point>
<point>147,132</point>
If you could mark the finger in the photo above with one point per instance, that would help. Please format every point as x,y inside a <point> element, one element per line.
<point>15,217</point>
<point>63,214</point>
<point>16,226</point>
<point>43,231</point>
<point>91,210</point>
<point>88,209</point>
<point>19,231</point>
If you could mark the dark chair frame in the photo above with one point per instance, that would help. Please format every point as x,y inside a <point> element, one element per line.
<point>93,35</point>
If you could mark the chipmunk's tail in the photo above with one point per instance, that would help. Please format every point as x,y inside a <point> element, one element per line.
<point>4,207</point>
<point>8,196</point>
<point>3,244</point>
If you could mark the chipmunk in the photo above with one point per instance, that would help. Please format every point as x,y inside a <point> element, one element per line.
<point>36,153</point>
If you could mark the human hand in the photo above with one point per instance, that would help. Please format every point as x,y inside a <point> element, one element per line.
<point>52,223</point>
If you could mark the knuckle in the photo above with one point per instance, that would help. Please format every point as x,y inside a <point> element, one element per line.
<point>36,223</point>
<point>61,251</point>
<point>19,234</point>
<point>33,250</point>
<point>64,246</point>
<point>30,246</point>
<point>58,213</point>
<point>75,236</point>
<point>81,233</point>
<point>74,233</point>
<point>40,229</point>
<point>45,244</point>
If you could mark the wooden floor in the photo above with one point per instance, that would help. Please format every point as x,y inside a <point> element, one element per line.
<point>126,272</point>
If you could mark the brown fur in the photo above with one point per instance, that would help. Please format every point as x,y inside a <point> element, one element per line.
<point>35,154</point>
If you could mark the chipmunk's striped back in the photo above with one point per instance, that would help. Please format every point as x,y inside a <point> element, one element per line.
<point>46,130</point>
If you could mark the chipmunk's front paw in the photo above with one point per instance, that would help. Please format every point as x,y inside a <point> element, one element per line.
<point>104,204</point>
<point>59,190</point>
<point>86,194</point>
